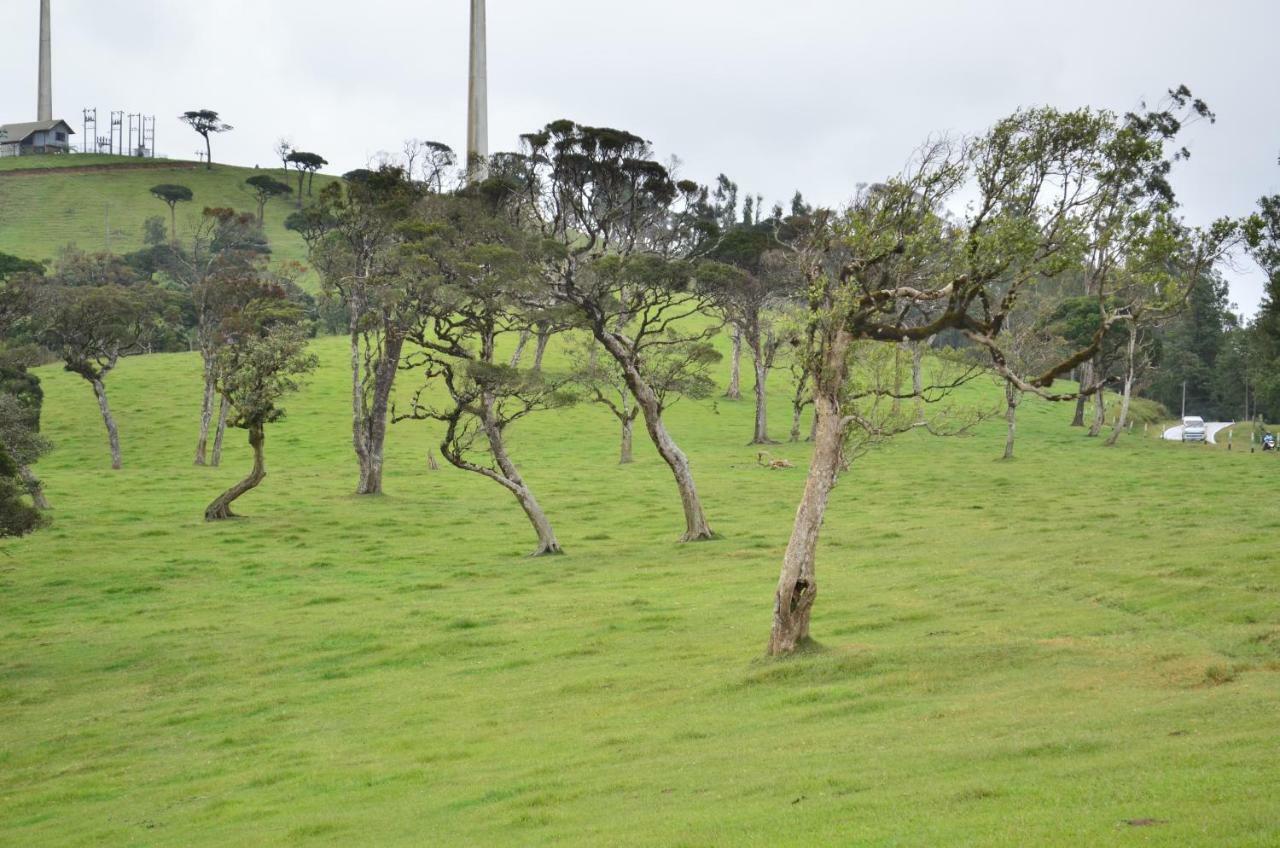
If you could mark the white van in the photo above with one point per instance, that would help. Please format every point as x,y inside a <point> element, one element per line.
<point>1193,429</point>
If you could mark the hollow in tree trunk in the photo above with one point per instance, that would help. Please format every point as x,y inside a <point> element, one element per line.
<point>220,431</point>
<point>113,434</point>
<point>797,583</point>
<point>220,509</point>
<point>206,410</point>
<point>34,487</point>
<point>735,368</point>
<point>1012,397</point>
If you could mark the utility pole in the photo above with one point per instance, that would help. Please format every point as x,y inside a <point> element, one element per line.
<point>478,96</point>
<point>44,93</point>
<point>1184,398</point>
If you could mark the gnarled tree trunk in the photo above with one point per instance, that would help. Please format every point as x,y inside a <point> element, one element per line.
<point>797,584</point>
<point>628,420</point>
<point>113,434</point>
<point>1012,397</point>
<point>206,409</point>
<point>761,436</point>
<point>374,425</point>
<point>734,391</point>
<point>220,509</point>
<point>34,487</point>
<point>1099,412</point>
<point>220,432</point>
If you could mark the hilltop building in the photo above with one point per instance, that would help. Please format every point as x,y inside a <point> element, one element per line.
<point>35,137</point>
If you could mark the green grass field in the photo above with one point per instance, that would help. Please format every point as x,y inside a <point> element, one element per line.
<point>106,209</point>
<point>1032,653</point>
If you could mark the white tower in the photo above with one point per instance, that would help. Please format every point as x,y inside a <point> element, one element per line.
<point>477,95</point>
<point>44,95</point>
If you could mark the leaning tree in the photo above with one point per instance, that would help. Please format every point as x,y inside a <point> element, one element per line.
<point>620,231</point>
<point>306,164</point>
<point>261,357</point>
<point>1042,188</point>
<point>206,123</point>
<point>477,271</point>
<point>358,245</point>
<point>90,327</point>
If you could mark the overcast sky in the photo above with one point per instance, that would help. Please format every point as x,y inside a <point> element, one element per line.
<point>817,95</point>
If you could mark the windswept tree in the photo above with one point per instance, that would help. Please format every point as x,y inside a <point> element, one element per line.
<point>680,370</point>
<point>261,358</point>
<point>752,280</point>
<point>358,247</point>
<point>624,231</point>
<point>306,164</point>
<point>1041,186</point>
<point>206,123</point>
<point>480,271</point>
<point>172,195</point>
<point>90,327</point>
<point>219,270</point>
<point>265,187</point>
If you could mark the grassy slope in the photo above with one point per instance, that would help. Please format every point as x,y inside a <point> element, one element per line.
<point>1025,653</point>
<point>75,207</point>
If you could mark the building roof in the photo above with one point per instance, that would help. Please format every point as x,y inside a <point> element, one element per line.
<point>18,133</point>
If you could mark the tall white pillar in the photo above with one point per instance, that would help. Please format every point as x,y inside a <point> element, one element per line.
<point>477,95</point>
<point>44,104</point>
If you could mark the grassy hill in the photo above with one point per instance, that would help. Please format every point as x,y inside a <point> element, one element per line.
<point>1079,647</point>
<point>98,202</point>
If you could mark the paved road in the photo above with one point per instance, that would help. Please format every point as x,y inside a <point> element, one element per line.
<point>1211,429</point>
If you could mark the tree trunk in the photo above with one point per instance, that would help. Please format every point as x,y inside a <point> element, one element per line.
<point>1012,397</point>
<point>761,436</point>
<point>374,427</point>
<point>518,353</point>
<point>208,153</point>
<point>917,378</point>
<point>113,435</point>
<point>697,529</point>
<point>220,432</point>
<point>262,212</point>
<point>206,409</point>
<point>796,412</point>
<point>220,509</point>
<point>1086,381</point>
<point>34,487</point>
<point>1130,374</point>
<point>547,543</point>
<point>173,223</point>
<point>628,426</point>
<point>797,584</point>
<point>735,368</point>
<point>1099,413</point>
<point>896,404</point>
<point>544,336</point>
